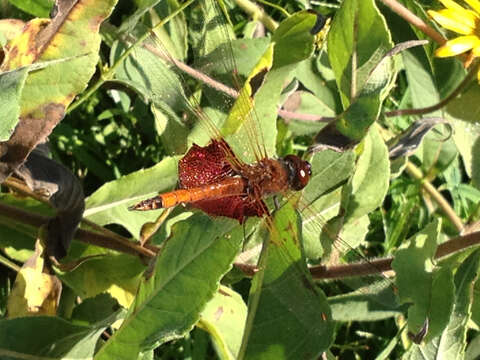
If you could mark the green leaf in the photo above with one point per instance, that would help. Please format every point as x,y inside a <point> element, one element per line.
<point>362,67</point>
<point>437,150</point>
<point>171,297</point>
<point>38,8</point>
<point>451,343</point>
<point>433,293</point>
<point>115,274</point>
<point>373,303</point>
<point>109,204</point>
<point>420,79</point>
<point>54,338</point>
<point>283,296</point>
<point>224,319</point>
<point>293,39</point>
<point>330,169</point>
<point>369,184</point>
<point>352,38</point>
<point>11,84</point>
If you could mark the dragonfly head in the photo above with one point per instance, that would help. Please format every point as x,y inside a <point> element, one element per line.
<point>299,172</point>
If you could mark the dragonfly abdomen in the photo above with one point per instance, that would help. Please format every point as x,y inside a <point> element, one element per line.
<point>231,186</point>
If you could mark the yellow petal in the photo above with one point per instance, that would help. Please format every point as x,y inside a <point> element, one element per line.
<point>450,4</point>
<point>474,4</point>
<point>458,46</point>
<point>451,20</point>
<point>478,76</point>
<point>476,50</point>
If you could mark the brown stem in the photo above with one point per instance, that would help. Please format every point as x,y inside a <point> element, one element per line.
<point>321,272</point>
<point>413,19</point>
<point>109,242</point>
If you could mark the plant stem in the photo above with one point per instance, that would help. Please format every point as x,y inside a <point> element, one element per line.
<point>470,75</point>
<point>257,13</point>
<point>10,264</point>
<point>435,194</point>
<point>413,19</point>
<point>89,237</point>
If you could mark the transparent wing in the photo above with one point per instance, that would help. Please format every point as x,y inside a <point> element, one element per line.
<point>166,80</point>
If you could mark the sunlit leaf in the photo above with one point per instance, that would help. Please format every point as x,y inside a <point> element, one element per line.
<point>172,295</point>
<point>283,296</point>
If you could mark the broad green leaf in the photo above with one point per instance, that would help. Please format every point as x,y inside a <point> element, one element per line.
<point>293,39</point>
<point>215,32</point>
<point>314,217</point>
<point>466,137</point>
<point>433,291</point>
<point>464,106</point>
<point>329,170</point>
<point>451,343</point>
<point>224,319</point>
<point>437,151</point>
<point>115,274</point>
<point>11,86</point>
<point>92,310</point>
<point>420,79</point>
<point>373,303</point>
<point>357,40</point>
<point>283,296</point>
<point>18,239</point>
<point>175,31</point>
<point>54,338</point>
<point>369,184</point>
<point>108,205</point>
<point>183,279</point>
<point>303,102</point>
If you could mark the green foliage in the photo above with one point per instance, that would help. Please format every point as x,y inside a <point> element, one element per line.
<point>207,287</point>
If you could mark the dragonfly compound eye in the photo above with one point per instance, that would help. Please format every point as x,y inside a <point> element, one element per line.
<point>299,172</point>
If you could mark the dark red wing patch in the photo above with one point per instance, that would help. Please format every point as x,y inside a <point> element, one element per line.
<point>234,207</point>
<point>203,165</point>
<point>207,165</point>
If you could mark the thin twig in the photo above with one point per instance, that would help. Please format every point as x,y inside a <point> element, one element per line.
<point>435,194</point>
<point>22,188</point>
<point>420,111</point>
<point>19,186</point>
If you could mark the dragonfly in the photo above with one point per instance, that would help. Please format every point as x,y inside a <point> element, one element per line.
<point>215,179</point>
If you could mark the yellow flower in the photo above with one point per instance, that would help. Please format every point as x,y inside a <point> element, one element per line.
<point>464,21</point>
